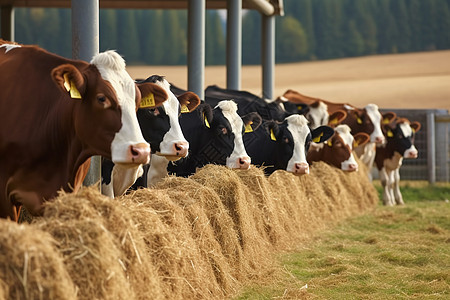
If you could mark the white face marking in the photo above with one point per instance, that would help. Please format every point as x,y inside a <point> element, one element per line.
<point>9,47</point>
<point>375,116</point>
<point>174,135</point>
<point>318,115</point>
<point>407,133</point>
<point>112,69</point>
<point>298,127</point>
<point>347,137</point>
<point>229,110</point>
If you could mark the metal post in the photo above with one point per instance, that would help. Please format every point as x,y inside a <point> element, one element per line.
<point>431,148</point>
<point>234,44</point>
<point>7,23</point>
<point>268,56</point>
<point>196,47</point>
<point>85,44</point>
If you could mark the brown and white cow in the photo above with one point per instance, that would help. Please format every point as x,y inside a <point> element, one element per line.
<point>367,120</point>
<point>55,113</point>
<point>389,157</point>
<point>337,151</point>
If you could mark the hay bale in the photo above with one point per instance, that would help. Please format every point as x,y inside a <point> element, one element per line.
<point>30,265</point>
<point>101,246</point>
<point>187,256</point>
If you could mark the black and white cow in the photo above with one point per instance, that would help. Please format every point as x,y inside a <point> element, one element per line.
<point>161,129</point>
<point>215,137</point>
<point>283,145</point>
<point>248,102</point>
<point>399,144</point>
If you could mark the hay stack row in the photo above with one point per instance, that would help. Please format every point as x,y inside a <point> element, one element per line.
<point>201,237</point>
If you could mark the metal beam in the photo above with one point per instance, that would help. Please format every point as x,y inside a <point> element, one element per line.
<point>196,47</point>
<point>263,6</point>
<point>268,56</point>
<point>85,44</point>
<point>431,148</point>
<point>7,22</point>
<point>234,44</point>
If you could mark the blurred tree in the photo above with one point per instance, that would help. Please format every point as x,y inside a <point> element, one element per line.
<point>251,38</point>
<point>291,42</point>
<point>215,40</point>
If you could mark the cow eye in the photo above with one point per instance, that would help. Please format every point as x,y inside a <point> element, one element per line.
<point>101,98</point>
<point>224,130</point>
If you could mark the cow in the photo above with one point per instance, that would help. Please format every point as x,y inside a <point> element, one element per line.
<point>367,120</point>
<point>248,102</point>
<point>215,137</point>
<point>55,113</point>
<point>161,129</point>
<point>283,145</point>
<point>337,151</point>
<point>399,144</point>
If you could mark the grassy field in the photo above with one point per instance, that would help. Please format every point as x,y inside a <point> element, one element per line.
<point>392,253</point>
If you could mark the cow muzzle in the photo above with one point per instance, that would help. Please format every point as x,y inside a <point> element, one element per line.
<point>379,140</point>
<point>139,153</point>
<point>243,163</point>
<point>301,168</point>
<point>411,154</point>
<point>350,167</point>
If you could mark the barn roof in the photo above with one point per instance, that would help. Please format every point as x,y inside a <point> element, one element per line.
<point>260,5</point>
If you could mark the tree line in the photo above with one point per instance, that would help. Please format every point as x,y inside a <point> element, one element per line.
<point>310,30</point>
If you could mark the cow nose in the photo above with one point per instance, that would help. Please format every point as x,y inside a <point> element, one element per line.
<point>301,168</point>
<point>412,154</point>
<point>379,139</point>
<point>140,153</point>
<point>181,148</point>
<point>352,167</point>
<point>244,162</point>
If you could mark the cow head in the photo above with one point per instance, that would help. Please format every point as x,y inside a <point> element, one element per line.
<point>337,151</point>
<point>160,125</point>
<point>400,136</point>
<point>106,119</point>
<point>293,138</point>
<point>367,120</point>
<point>229,127</point>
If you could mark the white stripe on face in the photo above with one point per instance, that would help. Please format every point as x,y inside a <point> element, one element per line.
<point>318,115</point>
<point>112,69</point>
<point>9,47</point>
<point>375,116</point>
<point>298,127</point>
<point>174,135</point>
<point>229,110</point>
<point>347,138</point>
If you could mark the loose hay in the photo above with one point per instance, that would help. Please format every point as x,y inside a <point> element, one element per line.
<point>188,238</point>
<point>30,265</point>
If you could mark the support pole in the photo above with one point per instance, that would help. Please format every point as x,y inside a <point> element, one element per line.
<point>431,148</point>
<point>7,22</point>
<point>196,47</point>
<point>234,44</point>
<point>85,44</point>
<point>268,56</point>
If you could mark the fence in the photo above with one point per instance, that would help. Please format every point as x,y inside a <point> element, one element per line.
<point>433,143</point>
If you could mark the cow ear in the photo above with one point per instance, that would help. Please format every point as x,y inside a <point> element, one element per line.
<point>388,117</point>
<point>358,116</point>
<point>70,80</point>
<point>415,126</point>
<point>272,129</point>
<point>152,95</point>
<point>361,138</point>
<point>251,121</point>
<point>337,117</point>
<point>321,134</point>
<point>206,114</point>
<point>188,101</point>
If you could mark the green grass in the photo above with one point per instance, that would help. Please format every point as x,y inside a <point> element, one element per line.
<point>392,253</point>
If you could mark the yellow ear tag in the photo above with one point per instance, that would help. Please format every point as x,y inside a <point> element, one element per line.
<point>299,107</point>
<point>70,87</point>
<point>413,130</point>
<point>317,138</point>
<point>184,109</point>
<point>333,122</point>
<point>248,127</point>
<point>272,135</point>
<point>358,120</point>
<point>148,101</point>
<point>206,121</point>
<point>355,143</point>
<point>390,134</point>
<point>386,121</point>
<point>329,143</point>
